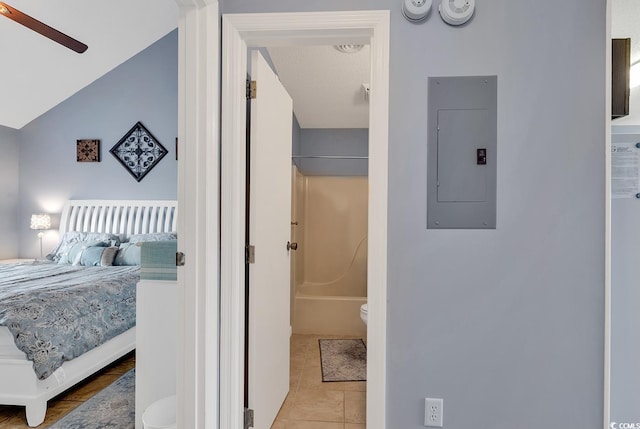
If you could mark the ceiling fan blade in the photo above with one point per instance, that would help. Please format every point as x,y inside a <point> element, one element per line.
<point>42,28</point>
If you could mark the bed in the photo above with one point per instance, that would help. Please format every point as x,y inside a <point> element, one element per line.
<point>28,383</point>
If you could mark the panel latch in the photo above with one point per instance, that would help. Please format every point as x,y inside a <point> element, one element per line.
<point>481,156</point>
<point>179,259</point>
<point>250,254</point>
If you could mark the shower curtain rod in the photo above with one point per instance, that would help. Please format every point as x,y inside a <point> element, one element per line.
<point>328,157</point>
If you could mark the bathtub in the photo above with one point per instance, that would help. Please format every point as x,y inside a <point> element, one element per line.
<point>328,315</point>
<point>332,308</point>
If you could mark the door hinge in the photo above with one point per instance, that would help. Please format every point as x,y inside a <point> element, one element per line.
<point>251,89</point>
<point>248,418</point>
<point>250,254</point>
<point>179,259</point>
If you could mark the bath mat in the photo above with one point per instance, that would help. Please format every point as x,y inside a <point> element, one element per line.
<point>343,360</point>
<point>113,407</point>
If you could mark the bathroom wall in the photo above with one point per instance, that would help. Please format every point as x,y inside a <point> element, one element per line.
<point>335,224</point>
<point>334,142</point>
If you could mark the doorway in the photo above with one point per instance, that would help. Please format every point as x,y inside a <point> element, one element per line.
<point>264,30</point>
<point>309,108</point>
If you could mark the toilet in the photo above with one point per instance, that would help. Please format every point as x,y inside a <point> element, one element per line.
<point>363,313</point>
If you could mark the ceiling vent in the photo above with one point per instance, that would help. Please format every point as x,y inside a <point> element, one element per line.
<point>349,49</point>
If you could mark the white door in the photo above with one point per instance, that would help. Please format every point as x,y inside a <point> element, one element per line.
<point>269,232</point>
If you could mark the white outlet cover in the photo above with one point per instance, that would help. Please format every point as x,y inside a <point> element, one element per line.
<point>416,10</point>
<point>433,412</point>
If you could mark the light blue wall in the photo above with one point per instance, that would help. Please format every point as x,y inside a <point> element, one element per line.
<point>295,136</point>
<point>144,89</point>
<point>506,325</point>
<point>9,193</point>
<point>333,142</point>
<point>625,298</point>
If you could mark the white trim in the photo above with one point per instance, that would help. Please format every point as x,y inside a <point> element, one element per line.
<point>257,30</point>
<point>198,221</point>
<point>232,216</point>
<point>607,227</point>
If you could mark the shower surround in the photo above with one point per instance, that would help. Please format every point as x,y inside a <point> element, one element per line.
<point>329,270</point>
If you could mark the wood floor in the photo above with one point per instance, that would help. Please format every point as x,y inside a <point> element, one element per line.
<point>14,417</point>
<point>312,404</point>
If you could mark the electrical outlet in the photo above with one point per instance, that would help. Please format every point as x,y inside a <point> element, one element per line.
<point>433,412</point>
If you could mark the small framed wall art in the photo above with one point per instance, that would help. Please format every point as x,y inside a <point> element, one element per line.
<point>88,150</point>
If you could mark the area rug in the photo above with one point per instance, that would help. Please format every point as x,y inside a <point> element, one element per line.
<point>343,360</point>
<point>113,407</point>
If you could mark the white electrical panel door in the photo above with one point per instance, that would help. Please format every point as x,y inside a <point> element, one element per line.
<point>461,134</point>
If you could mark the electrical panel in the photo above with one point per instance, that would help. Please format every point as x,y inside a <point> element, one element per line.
<point>461,151</point>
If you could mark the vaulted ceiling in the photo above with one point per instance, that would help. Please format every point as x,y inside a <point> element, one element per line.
<point>36,73</point>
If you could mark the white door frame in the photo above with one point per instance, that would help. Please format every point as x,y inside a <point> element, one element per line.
<point>607,228</point>
<point>281,29</point>
<point>198,220</point>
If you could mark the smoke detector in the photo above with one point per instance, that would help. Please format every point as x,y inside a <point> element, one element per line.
<point>416,10</point>
<point>457,12</point>
<point>348,49</point>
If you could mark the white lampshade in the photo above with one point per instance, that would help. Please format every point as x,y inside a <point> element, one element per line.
<point>40,221</point>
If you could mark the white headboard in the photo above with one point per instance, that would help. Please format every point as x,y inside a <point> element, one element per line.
<point>124,217</point>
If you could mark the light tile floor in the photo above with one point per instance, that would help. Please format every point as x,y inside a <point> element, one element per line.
<point>313,404</point>
<point>14,417</point>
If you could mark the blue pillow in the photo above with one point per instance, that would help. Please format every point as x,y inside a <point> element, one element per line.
<point>72,254</point>
<point>97,256</point>
<point>128,254</point>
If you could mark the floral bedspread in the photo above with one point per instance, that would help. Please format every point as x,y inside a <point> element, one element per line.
<point>58,312</point>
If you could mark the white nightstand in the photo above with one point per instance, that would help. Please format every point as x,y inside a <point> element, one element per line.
<point>15,261</point>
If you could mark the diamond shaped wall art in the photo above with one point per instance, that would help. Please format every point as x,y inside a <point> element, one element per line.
<point>138,151</point>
